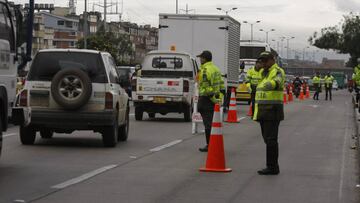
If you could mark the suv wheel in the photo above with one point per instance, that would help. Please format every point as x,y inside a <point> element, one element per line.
<point>46,134</point>
<point>138,113</point>
<point>124,129</point>
<point>0,135</point>
<point>110,134</point>
<point>151,115</point>
<point>27,135</point>
<point>187,113</point>
<point>71,88</point>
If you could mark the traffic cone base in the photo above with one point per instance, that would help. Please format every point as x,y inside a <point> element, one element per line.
<point>232,113</point>
<point>216,161</point>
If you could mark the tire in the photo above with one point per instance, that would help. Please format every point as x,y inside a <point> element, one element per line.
<point>71,98</point>
<point>27,135</point>
<point>151,115</point>
<point>1,136</point>
<point>110,135</point>
<point>124,129</point>
<point>187,113</point>
<point>138,113</point>
<point>46,134</point>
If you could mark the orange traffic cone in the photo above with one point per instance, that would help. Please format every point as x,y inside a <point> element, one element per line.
<point>215,161</point>
<point>285,93</point>
<point>307,92</point>
<point>250,111</point>
<point>232,113</point>
<point>291,98</point>
<point>301,97</point>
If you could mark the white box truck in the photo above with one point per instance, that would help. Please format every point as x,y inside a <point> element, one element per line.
<point>194,33</point>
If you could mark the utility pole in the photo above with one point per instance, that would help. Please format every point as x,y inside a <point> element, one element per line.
<point>29,34</point>
<point>105,9</point>
<point>267,33</point>
<point>177,6</point>
<point>85,25</point>
<point>287,45</point>
<point>106,6</point>
<point>252,26</point>
<point>187,10</point>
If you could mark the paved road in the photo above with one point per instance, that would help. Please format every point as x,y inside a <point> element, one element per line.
<point>160,162</point>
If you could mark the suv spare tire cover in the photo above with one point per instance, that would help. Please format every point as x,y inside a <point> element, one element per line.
<point>71,88</point>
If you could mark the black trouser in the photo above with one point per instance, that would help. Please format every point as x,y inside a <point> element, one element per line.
<point>253,94</point>
<point>206,109</point>
<point>328,91</point>
<point>316,94</point>
<point>269,131</point>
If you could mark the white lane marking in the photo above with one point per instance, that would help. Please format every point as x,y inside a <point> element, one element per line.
<point>131,114</point>
<point>314,106</point>
<point>19,201</point>
<point>9,135</point>
<point>159,148</point>
<point>242,118</point>
<point>342,170</point>
<point>83,177</point>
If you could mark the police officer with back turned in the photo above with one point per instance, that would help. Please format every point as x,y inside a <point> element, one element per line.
<point>269,109</point>
<point>210,92</point>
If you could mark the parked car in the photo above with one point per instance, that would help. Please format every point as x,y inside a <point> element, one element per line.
<point>72,89</point>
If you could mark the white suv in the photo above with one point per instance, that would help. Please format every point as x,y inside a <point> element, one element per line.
<point>72,89</point>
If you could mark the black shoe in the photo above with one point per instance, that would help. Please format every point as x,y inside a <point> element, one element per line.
<point>268,171</point>
<point>204,149</point>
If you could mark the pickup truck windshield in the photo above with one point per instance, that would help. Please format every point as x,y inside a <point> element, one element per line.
<point>167,63</point>
<point>47,64</point>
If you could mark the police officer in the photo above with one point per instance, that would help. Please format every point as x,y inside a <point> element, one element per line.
<point>329,79</point>
<point>211,85</point>
<point>317,85</point>
<point>269,109</point>
<point>253,77</point>
<point>356,79</point>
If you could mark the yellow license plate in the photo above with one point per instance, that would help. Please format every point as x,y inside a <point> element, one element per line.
<point>159,100</point>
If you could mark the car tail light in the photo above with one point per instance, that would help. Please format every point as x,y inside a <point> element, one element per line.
<point>108,100</point>
<point>186,86</point>
<point>173,83</point>
<point>24,98</point>
<point>133,84</point>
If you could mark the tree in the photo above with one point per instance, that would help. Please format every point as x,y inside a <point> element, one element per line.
<point>119,46</point>
<point>343,38</point>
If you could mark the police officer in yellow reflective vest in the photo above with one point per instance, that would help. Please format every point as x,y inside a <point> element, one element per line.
<point>329,79</point>
<point>253,77</point>
<point>269,109</point>
<point>356,79</point>
<point>211,86</point>
<point>317,85</point>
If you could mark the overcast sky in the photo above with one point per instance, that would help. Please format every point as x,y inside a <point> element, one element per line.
<point>297,18</point>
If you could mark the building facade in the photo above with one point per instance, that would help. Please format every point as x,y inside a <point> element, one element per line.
<point>66,30</point>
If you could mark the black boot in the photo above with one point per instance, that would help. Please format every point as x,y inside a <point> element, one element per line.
<point>204,149</point>
<point>269,171</point>
<point>272,155</point>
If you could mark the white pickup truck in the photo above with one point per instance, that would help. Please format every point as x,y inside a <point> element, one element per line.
<point>165,85</point>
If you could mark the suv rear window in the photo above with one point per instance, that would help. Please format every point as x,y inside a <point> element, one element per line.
<point>47,64</point>
<point>167,63</point>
